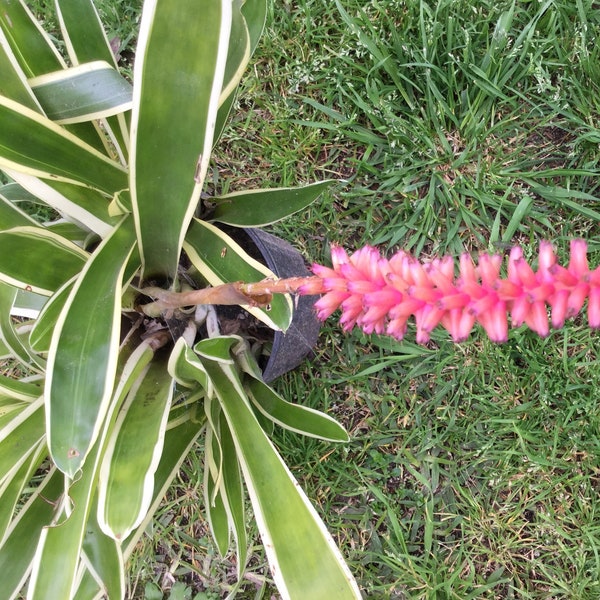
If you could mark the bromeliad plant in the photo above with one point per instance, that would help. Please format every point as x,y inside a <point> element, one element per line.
<point>111,396</point>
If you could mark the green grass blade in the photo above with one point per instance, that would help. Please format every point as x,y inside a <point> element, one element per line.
<point>177,89</point>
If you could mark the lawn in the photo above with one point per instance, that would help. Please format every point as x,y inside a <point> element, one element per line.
<point>473,470</point>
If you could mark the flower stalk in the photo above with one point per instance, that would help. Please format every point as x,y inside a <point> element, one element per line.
<point>382,295</point>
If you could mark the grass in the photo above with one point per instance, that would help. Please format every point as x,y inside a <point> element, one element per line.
<point>473,471</point>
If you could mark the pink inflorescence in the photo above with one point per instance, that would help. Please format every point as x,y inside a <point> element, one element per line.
<point>380,295</point>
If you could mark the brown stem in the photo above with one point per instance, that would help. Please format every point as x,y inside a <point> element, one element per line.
<point>237,293</point>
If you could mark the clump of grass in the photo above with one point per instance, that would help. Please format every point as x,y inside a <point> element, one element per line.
<point>473,118</point>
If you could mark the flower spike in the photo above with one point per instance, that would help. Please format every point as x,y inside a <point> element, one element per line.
<point>381,295</point>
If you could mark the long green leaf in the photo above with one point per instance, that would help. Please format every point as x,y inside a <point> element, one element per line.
<point>130,460</point>
<point>304,559</point>
<point>255,13</point>
<point>87,207</point>
<point>46,260</point>
<point>238,52</point>
<point>83,354</point>
<point>86,41</point>
<point>14,81</point>
<point>12,216</point>
<point>256,208</point>
<point>21,436</point>
<point>172,139</point>
<point>40,336</point>
<point>18,346</point>
<point>57,556</point>
<point>83,33</point>
<point>214,501</point>
<point>179,441</point>
<point>103,556</point>
<point>233,492</point>
<point>18,547</point>
<point>89,91</point>
<point>50,151</point>
<point>28,304</point>
<point>29,42</point>
<point>25,391</point>
<point>13,485</point>
<point>294,417</point>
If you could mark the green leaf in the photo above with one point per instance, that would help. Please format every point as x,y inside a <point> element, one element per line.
<point>304,559</point>
<point>18,547</point>
<point>255,13</point>
<point>222,260</point>
<point>238,52</point>
<point>83,32</point>
<point>57,556</point>
<point>89,91</point>
<point>86,41</point>
<point>233,492</point>
<point>130,460</point>
<point>179,440</point>
<point>256,208</point>
<point>84,206</point>
<point>29,42</point>
<point>14,81</point>
<point>214,501</point>
<point>18,346</point>
<point>20,436</point>
<point>172,143</point>
<point>25,391</point>
<point>79,390</point>
<point>51,152</point>
<point>14,483</point>
<point>12,216</point>
<point>103,556</point>
<point>28,305</point>
<point>294,417</point>
<point>40,336</point>
<point>46,260</point>
<point>185,367</point>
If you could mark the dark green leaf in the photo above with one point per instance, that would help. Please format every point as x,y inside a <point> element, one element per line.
<point>256,208</point>
<point>79,389</point>
<point>171,150</point>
